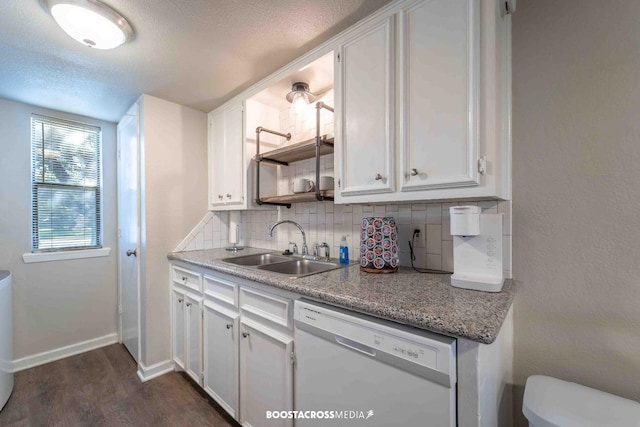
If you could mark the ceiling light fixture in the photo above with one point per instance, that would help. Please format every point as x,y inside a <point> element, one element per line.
<point>90,22</point>
<point>300,95</point>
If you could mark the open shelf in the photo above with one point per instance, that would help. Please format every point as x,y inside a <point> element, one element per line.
<point>299,151</point>
<point>310,149</point>
<point>298,198</point>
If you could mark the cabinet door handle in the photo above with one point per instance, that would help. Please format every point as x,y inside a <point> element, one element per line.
<point>245,334</point>
<point>184,278</point>
<point>189,304</point>
<point>378,177</point>
<point>132,252</point>
<point>220,196</point>
<point>229,325</point>
<point>414,172</point>
<point>180,300</point>
<point>228,196</point>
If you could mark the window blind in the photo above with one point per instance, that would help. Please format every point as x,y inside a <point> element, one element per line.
<point>66,185</point>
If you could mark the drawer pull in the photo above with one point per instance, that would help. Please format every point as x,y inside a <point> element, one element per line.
<point>189,304</point>
<point>245,334</point>
<point>378,177</point>
<point>414,172</point>
<point>185,278</point>
<point>180,300</point>
<point>229,325</point>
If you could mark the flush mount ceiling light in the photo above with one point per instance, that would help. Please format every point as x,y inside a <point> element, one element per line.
<point>90,22</point>
<point>300,94</point>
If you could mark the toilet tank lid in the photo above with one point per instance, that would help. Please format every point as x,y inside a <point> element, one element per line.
<point>550,402</point>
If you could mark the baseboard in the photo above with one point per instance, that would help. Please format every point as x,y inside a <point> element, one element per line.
<point>63,352</point>
<point>146,373</point>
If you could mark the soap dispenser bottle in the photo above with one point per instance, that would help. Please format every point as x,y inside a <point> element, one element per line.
<point>344,251</point>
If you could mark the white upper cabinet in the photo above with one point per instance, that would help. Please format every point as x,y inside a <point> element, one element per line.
<point>439,53</point>
<point>365,95</point>
<point>451,104</point>
<point>227,169</point>
<point>422,93</point>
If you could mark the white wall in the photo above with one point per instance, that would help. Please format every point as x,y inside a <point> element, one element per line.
<point>576,148</point>
<point>174,147</point>
<point>56,303</point>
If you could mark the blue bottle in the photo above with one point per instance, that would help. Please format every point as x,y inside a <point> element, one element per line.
<point>344,251</point>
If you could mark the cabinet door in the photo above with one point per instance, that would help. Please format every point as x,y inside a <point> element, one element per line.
<point>266,375</point>
<point>227,169</point>
<point>177,329</point>
<point>365,99</point>
<point>439,80</point>
<point>216,159</point>
<point>221,356</point>
<point>234,167</point>
<point>193,328</point>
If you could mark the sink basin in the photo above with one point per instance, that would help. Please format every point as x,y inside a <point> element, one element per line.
<point>257,259</point>
<point>300,267</point>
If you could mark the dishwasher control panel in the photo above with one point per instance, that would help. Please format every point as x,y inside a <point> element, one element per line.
<point>377,337</point>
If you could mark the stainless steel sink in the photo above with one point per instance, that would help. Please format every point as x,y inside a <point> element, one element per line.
<point>257,259</point>
<point>300,267</point>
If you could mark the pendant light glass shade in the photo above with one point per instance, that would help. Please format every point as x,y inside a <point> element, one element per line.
<point>90,22</point>
<point>300,95</point>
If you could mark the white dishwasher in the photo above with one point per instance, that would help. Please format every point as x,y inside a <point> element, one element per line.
<point>353,369</point>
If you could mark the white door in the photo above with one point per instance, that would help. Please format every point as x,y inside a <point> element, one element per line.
<point>440,51</point>
<point>365,100</point>
<point>234,171</point>
<point>129,230</point>
<point>266,375</point>
<point>193,328</point>
<point>216,159</point>
<point>177,327</point>
<point>226,157</point>
<point>221,356</point>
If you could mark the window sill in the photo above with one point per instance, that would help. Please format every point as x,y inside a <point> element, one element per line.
<point>65,255</point>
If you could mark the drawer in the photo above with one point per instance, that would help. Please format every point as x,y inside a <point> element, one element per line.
<point>221,290</point>
<point>187,278</point>
<point>266,306</point>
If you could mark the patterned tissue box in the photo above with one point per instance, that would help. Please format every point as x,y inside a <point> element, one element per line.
<point>379,245</point>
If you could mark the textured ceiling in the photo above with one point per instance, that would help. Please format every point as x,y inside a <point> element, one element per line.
<point>197,53</point>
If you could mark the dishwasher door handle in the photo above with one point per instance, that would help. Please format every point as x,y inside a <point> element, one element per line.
<point>355,346</point>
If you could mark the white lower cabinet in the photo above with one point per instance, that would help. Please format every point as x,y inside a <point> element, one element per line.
<point>177,327</point>
<point>221,356</point>
<point>266,375</point>
<point>186,322</point>
<point>193,338</point>
<point>240,338</point>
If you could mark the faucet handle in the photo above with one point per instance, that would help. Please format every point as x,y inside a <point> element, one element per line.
<point>295,248</point>
<point>326,250</point>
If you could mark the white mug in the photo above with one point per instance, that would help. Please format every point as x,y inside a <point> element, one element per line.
<point>302,185</point>
<point>325,183</point>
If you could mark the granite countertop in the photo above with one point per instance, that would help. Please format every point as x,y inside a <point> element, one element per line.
<point>425,301</point>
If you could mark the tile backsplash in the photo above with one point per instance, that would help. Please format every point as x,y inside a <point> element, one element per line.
<point>327,222</point>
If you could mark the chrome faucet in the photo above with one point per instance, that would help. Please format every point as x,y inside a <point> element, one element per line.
<point>326,247</point>
<point>305,249</point>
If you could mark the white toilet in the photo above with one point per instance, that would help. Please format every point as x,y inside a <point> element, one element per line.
<point>550,402</point>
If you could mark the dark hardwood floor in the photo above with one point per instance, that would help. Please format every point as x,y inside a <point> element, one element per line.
<point>101,388</point>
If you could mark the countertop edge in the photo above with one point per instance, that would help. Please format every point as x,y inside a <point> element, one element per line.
<point>485,335</point>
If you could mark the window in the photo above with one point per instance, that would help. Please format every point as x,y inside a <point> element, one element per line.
<point>66,185</point>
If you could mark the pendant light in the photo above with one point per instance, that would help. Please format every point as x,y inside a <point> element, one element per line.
<point>90,22</point>
<point>300,95</point>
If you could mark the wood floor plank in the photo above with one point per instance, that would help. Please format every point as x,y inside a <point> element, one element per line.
<point>101,388</point>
